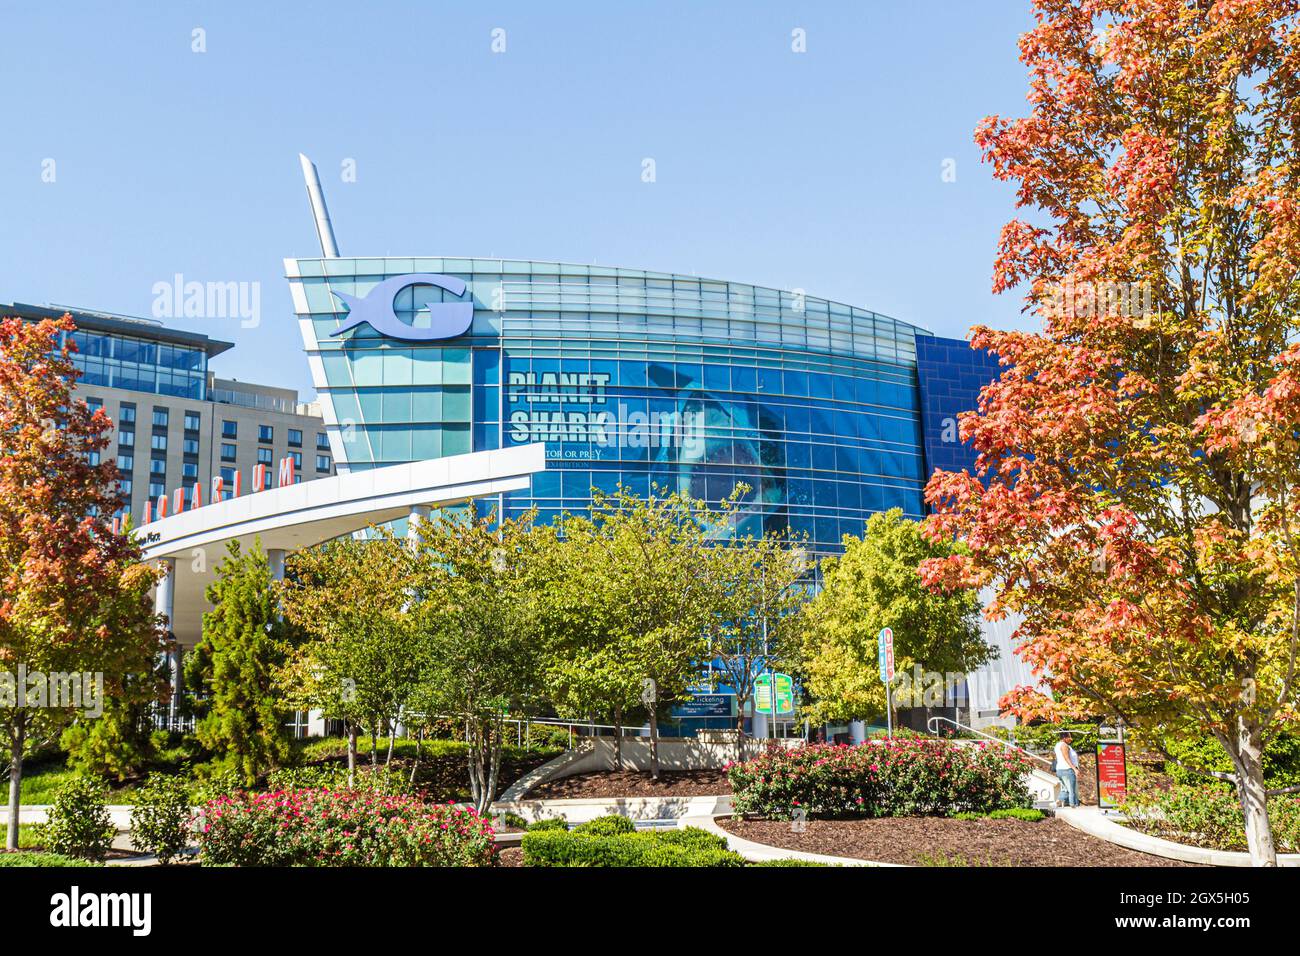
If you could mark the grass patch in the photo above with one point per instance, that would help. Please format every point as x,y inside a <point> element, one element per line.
<point>442,772</point>
<point>29,858</point>
<point>1026,814</point>
<point>946,860</point>
<point>789,861</point>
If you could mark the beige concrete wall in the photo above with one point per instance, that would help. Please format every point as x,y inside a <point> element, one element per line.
<point>675,753</point>
<point>211,417</point>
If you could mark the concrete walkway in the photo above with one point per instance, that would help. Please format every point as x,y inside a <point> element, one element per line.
<point>119,814</point>
<point>686,811</point>
<point>582,809</point>
<point>1095,823</point>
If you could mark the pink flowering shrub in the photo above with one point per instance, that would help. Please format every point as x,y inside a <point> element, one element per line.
<point>341,828</point>
<point>904,777</point>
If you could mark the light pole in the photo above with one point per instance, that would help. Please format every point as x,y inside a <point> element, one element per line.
<point>799,560</point>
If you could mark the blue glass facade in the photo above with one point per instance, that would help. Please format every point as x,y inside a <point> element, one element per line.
<point>138,355</point>
<point>629,376</point>
<point>142,365</point>
<point>950,375</point>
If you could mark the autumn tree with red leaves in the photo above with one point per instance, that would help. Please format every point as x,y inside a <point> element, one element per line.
<point>75,597</point>
<point>1137,495</point>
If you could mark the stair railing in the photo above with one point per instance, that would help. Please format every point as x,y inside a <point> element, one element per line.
<point>933,726</point>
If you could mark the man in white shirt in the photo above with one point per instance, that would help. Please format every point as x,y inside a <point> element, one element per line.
<point>1067,768</point>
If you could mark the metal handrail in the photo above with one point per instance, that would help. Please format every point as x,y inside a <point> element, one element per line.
<point>932,726</point>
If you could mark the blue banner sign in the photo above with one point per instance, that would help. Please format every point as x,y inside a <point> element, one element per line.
<point>706,705</point>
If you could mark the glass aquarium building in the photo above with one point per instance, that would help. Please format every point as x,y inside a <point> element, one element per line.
<point>632,377</point>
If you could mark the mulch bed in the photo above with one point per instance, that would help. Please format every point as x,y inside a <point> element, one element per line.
<point>631,783</point>
<point>510,856</point>
<point>917,841</point>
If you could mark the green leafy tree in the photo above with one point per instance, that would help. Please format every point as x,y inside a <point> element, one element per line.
<point>589,680</point>
<point>644,560</point>
<point>873,585</point>
<point>241,716</point>
<point>755,598</point>
<point>583,666</point>
<point>364,659</point>
<point>477,585</point>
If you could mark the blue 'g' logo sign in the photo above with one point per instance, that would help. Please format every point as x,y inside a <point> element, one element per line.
<point>376,309</point>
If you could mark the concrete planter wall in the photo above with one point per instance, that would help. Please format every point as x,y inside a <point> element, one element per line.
<point>675,753</point>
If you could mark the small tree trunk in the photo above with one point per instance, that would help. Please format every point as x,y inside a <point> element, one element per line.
<point>419,740</point>
<point>494,764</point>
<point>16,742</point>
<point>374,746</point>
<point>1247,757</point>
<point>477,777</point>
<point>618,737</point>
<point>352,756</point>
<point>392,739</point>
<point>740,726</point>
<point>654,737</point>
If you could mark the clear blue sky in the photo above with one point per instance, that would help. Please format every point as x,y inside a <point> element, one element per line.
<point>819,170</point>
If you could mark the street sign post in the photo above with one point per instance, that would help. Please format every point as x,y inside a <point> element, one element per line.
<point>885,653</point>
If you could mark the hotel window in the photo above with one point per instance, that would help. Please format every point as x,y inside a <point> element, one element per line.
<point>157,466</point>
<point>264,456</point>
<point>322,440</point>
<point>189,469</point>
<point>192,421</point>
<point>125,463</point>
<point>126,439</point>
<point>297,460</point>
<point>124,486</point>
<point>94,404</point>
<point>92,458</point>
<point>228,477</point>
<point>126,415</point>
<point>265,433</point>
<point>161,417</point>
<point>322,462</point>
<point>158,442</point>
<point>157,489</point>
<point>190,446</point>
<point>229,429</point>
<point>228,452</point>
<point>295,437</point>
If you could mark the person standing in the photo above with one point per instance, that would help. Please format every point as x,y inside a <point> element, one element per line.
<point>1067,768</point>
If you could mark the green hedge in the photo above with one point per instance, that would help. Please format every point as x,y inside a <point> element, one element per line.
<point>548,823</point>
<point>1210,816</point>
<point>607,842</point>
<point>884,779</point>
<point>1281,760</point>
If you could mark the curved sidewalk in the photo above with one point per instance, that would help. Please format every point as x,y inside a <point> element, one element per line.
<point>686,811</point>
<point>1095,823</point>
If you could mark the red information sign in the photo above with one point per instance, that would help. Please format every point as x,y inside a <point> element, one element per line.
<point>1112,775</point>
